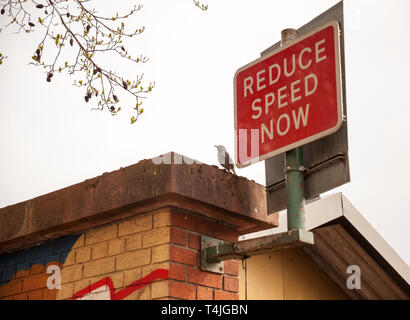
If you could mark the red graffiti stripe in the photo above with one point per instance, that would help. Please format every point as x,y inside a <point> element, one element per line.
<point>136,285</point>
<point>122,294</point>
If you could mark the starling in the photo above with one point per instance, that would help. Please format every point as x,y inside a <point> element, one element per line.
<point>224,159</point>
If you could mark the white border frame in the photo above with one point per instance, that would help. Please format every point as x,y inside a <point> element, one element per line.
<point>339,93</point>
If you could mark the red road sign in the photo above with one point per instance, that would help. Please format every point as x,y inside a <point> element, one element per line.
<point>290,97</point>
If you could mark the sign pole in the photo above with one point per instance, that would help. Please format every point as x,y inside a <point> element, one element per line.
<point>295,185</point>
<point>295,189</point>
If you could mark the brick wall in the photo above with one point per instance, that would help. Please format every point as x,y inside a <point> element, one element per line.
<point>23,273</point>
<point>130,234</point>
<point>154,255</point>
<point>187,280</point>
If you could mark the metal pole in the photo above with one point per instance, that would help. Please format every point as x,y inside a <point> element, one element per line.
<point>295,185</point>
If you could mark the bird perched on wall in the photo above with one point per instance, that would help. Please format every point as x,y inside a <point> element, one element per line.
<point>224,159</point>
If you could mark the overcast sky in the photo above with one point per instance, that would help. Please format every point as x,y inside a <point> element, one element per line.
<point>49,138</point>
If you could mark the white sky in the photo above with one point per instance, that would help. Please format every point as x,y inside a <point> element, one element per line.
<point>49,138</point>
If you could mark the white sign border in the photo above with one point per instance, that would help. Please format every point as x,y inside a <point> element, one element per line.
<point>339,93</point>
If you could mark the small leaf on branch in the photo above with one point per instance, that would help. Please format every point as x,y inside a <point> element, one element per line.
<point>39,6</point>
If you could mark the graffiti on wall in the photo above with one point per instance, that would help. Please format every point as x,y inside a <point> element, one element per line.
<point>42,267</point>
<point>104,288</point>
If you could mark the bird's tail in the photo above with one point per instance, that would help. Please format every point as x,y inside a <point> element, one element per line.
<point>233,170</point>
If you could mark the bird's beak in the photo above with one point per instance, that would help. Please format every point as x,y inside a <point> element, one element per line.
<point>215,146</point>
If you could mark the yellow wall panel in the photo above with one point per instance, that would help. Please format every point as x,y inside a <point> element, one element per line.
<point>288,274</point>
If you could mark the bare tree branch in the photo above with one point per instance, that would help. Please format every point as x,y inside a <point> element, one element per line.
<point>203,7</point>
<point>74,37</point>
<point>70,26</point>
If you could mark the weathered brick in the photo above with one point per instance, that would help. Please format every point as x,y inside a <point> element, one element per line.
<point>194,241</point>
<point>183,255</point>
<point>79,242</point>
<point>138,224</point>
<point>204,293</point>
<point>182,290</point>
<point>81,285</point>
<point>133,242</point>
<point>69,259</point>
<point>177,272</point>
<point>117,279</point>
<point>160,253</point>
<point>231,267</point>
<point>183,220</point>
<point>178,236</point>
<point>23,296</point>
<point>100,250</point>
<point>83,254</point>
<point>36,295</point>
<point>217,230</point>
<point>206,226</point>
<point>106,232</point>
<point>37,266</point>
<point>116,246</point>
<point>225,232</point>
<point>154,266</point>
<point>156,237</point>
<point>23,271</point>
<point>159,289</point>
<point>204,278</point>
<point>49,294</point>
<point>35,282</point>
<point>133,259</point>
<point>231,283</point>
<point>223,295</point>
<point>162,219</point>
<point>71,273</point>
<point>98,267</point>
<point>66,291</point>
<point>143,293</point>
<point>132,275</point>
